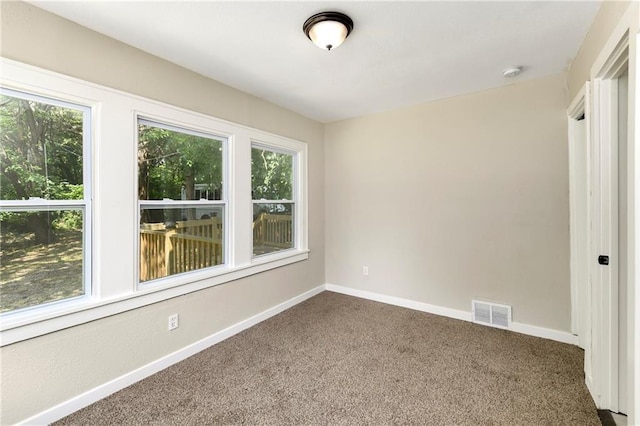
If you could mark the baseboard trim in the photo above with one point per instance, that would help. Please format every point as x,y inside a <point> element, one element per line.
<point>398,301</point>
<point>518,327</point>
<point>545,333</point>
<point>83,400</point>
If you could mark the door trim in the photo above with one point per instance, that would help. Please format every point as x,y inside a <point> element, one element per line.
<point>578,108</point>
<point>581,293</point>
<point>604,173</point>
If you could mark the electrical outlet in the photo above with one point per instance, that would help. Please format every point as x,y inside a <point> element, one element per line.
<point>365,270</point>
<point>173,322</point>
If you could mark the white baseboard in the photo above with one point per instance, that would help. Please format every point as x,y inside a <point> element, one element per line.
<point>545,333</point>
<point>74,404</point>
<point>518,327</point>
<point>398,301</point>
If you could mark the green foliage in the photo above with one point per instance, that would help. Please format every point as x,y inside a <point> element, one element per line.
<point>271,175</point>
<point>171,162</point>
<point>69,220</point>
<point>13,221</point>
<point>21,222</point>
<point>66,191</point>
<point>41,148</point>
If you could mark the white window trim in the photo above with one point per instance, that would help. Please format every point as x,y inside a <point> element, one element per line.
<point>296,191</point>
<point>115,202</point>
<point>84,205</point>
<point>300,188</point>
<point>224,202</point>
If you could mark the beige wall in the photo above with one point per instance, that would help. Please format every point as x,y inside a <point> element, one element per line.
<point>456,199</point>
<point>605,21</point>
<point>42,372</point>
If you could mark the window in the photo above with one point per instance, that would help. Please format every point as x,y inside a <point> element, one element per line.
<point>45,201</point>
<point>273,196</point>
<point>181,193</point>
<point>111,201</point>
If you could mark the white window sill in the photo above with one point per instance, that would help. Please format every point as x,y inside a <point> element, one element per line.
<point>15,327</point>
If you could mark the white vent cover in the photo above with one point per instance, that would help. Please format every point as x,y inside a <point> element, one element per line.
<point>491,314</point>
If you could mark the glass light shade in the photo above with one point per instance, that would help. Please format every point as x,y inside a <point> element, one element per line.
<point>328,34</point>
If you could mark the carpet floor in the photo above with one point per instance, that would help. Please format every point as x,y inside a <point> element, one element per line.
<point>340,360</point>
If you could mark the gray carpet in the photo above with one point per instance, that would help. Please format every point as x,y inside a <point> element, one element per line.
<point>336,359</point>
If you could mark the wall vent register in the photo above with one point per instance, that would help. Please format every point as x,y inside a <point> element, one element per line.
<point>491,314</point>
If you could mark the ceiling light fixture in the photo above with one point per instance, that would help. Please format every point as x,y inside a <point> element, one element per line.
<point>328,30</point>
<point>512,71</point>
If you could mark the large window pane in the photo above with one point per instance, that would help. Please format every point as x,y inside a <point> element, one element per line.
<point>180,186</point>
<point>41,153</point>
<point>273,200</point>
<point>175,165</point>
<point>43,200</point>
<point>41,257</point>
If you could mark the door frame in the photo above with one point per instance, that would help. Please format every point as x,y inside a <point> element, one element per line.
<point>623,40</point>
<point>581,292</point>
<point>604,172</point>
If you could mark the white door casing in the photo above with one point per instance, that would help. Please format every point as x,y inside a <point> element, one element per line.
<point>605,237</point>
<point>580,223</point>
<point>623,237</point>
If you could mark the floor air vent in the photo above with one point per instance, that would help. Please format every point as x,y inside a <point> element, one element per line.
<point>491,314</point>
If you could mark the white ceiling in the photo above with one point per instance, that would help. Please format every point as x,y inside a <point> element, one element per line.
<point>400,53</point>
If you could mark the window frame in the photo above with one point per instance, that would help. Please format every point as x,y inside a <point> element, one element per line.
<point>294,193</point>
<point>299,193</point>
<point>36,204</point>
<point>224,201</point>
<point>114,208</point>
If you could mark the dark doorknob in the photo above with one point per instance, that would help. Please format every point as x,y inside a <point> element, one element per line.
<point>603,260</point>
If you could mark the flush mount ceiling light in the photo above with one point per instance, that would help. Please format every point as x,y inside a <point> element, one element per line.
<point>328,30</point>
<point>512,71</point>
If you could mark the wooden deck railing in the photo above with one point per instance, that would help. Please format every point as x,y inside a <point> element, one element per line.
<point>273,230</point>
<point>197,244</point>
<point>191,245</point>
